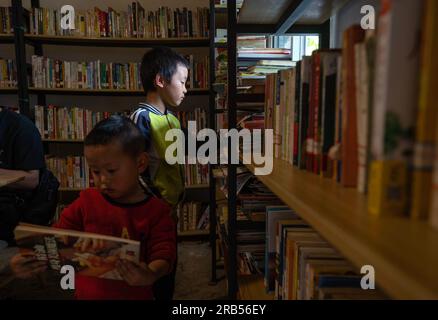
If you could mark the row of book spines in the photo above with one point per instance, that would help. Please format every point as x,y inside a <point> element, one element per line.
<point>66,123</point>
<point>162,23</point>
<point>298,275</point>
<point>294,109</point>
<point>6,26</point>
<point>8,73</point>
<point>425,176</point>
<point>54,73</point>
<point>335,122</point>
<point>199,115</point>
<point>196,174</point>
<point>188,216</point>
<point>198,72</point>
<point>71,171</point>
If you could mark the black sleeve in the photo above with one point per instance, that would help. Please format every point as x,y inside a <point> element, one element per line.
<point>144,124</point>
<point>28,148</point>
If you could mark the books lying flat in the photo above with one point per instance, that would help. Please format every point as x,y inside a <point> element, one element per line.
<point>61,247</point>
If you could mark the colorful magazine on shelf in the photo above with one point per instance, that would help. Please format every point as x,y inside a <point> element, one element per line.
<point>61,247</point>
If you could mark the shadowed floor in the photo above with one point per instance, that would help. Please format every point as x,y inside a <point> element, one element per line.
<point>194,272</point>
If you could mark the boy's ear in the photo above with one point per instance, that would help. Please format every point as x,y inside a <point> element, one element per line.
<point>142,162</point>
<point>159,81</point>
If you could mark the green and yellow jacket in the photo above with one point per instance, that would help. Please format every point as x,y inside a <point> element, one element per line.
<point>166,179</point>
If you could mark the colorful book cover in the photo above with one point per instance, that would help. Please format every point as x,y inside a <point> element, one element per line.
<point>425,143</point>
<point>395,101</point>
<point>60,247</point>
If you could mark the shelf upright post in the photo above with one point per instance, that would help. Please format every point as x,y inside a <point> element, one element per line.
<point>324,35</point>
<point>20,58</point>
<point>38,49</point>
<point>232,178</point>
<point>212,125</point>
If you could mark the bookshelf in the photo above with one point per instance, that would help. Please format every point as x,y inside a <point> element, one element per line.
<point>341,216</point>
<point>401,250</point>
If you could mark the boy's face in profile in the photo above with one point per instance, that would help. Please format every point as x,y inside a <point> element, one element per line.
<point>173,92</point>
<point>115,172</point>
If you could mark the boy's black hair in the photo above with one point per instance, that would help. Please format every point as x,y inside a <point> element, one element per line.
<point>117,128</point>
<point>160,60</point>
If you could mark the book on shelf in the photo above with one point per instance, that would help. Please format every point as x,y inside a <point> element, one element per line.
<point>273,215</point>
<point>136,22</point>
<point>264,53</point>
<point>60,247</point>
<point>349,151</point>
<point>254,42</point>
<point>8,73</point>
<point>424,202</point>
<point>6,25</point>
<point>395,101</point>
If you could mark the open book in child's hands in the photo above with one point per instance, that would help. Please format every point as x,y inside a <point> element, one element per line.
<point>90,254</point>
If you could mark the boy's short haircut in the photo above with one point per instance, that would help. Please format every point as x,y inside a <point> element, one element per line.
<point>117,128</point>
<point>163,61</point>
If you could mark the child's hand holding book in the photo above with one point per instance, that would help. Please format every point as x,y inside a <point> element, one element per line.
<point>26,265</point>
<point>142,274</point>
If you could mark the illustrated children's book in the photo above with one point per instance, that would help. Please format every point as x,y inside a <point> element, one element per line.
<point>90,254</point>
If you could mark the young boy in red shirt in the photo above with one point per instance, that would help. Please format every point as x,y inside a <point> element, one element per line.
<point>119,206</point>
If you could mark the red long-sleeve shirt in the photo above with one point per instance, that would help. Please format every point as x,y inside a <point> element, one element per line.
<point>92,212</point>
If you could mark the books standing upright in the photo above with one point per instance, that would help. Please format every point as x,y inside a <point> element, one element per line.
<point>395,99</point>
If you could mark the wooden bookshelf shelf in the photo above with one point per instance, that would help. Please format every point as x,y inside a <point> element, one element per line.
<point>403,252</point>
<point>8,90</point>
<point>104,92</point>
<point>71,189</point>
<point>193,233</point>
<point>117,42</point>
<point>251,287</point>
<point>6,38</point>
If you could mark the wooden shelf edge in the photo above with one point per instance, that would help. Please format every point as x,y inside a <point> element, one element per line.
<point>195,91</point>
<point>340,215</point>
<point>193,233</point>
<point>198,186</point>
<point>62,140</point>
<point>113,41</point>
